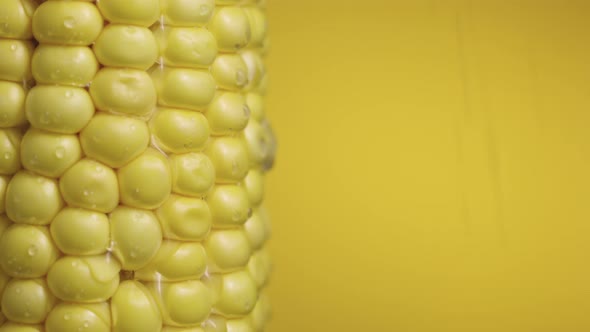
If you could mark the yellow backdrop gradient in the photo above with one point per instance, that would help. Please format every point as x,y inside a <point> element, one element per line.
<point>433,169</point>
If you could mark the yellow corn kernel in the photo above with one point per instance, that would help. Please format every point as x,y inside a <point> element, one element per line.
<point>185,303</point>
<point>26,187</point>
<point>254,184</point>
<point>94,317</point>
<point>229,206</point>
<point>16,327</point>
<point>255,103</point>
<point>187,47</point>
<point>10,139</point>
<point>134,309</point>
<point>179,131</point>
<point>26,251</point>
<point>240,325</point>
<point>64,65</point>
<point>193,174</point>
<point>231,28</point>
<point>229,156</point>
<point>59,109</point>
<point>118,45</point>
<point>215,323</point>
<point>49,154</point>
<point>114,140</point>
<point>256,230</point>
<point>228,113</point>
<point>136,236</point>
<point>260,267</point>
<point>16,21</point>
<point>227,249</point>
<point>80,232</point>
<point>258,26</point>
<point>145,182</point>
<point>84,279</point>
<point>234,293</point>
<point>123,91</point>
<point>67,23</point>
<point>12,104</point>
<point>27,301</point>
<point>4,180</point>
<point>186,12</point>
<point>230,72</point>
<point>254,67</point>
<point>175,261</point>
<point>184,218</point>
<point>16,60</point>
<point>261,312</point>
<point>90,185</point>
<point>184,88</point>
<point>137,12</point>
<point>181,329</point>
<point>260,144</point>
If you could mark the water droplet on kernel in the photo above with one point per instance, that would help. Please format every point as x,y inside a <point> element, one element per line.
<point>69,22</point>
<point>60,152</point>
<point>13,47</point>
<point>69,94</point>
<point>32,250</point>
<point>240,77</point>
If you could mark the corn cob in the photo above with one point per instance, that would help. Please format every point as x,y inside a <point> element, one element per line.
<point>133,147</point>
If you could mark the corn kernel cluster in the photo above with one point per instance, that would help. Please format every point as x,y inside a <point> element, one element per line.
<point>133,148</point>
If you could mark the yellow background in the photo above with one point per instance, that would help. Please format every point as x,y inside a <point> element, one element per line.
<point>433,167</point>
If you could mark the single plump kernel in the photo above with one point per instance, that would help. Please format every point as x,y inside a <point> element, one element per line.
<point>124,91</point>
<point>261,312</point>
<point>184,218</point>
<point>185,88</point>
<point>231,28</point>
<point>227,249</point>
<point>230,72</point>
<point>64,65</point>
<point>136,236</point>
<point>59,109</point>
<point>235,293</point>
<point>186,12</point>
<point>193,174</point>
<point>84,279</point>
<point>16,60</point>
<point>146,181</point>
<point>256,230</point>
<point>184,303</point>
<point>94,317</point>
<point>228,113</point>
<point>254,184</point>
<point>12,104</point>
<point>90,185</point>
<point>179,131</point>
<point>26,187</point>
<point>10,139</point>
<point>134,309</point>
<point>258,26</point>
<point>260,267</point>
<point>114,140</point>
<point>118,45</point>
<point>16,23</point>
<point>229,156</point>
<point>27,301</point>
<point>49,154</point>
<point>254,67</point>
<point>229,205</point>
<point>175,261</point>
<point>67,23</point>
<point>26,251</point>
<point>80,232</point>
<point>186,47</point>
<point>137,12</point>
